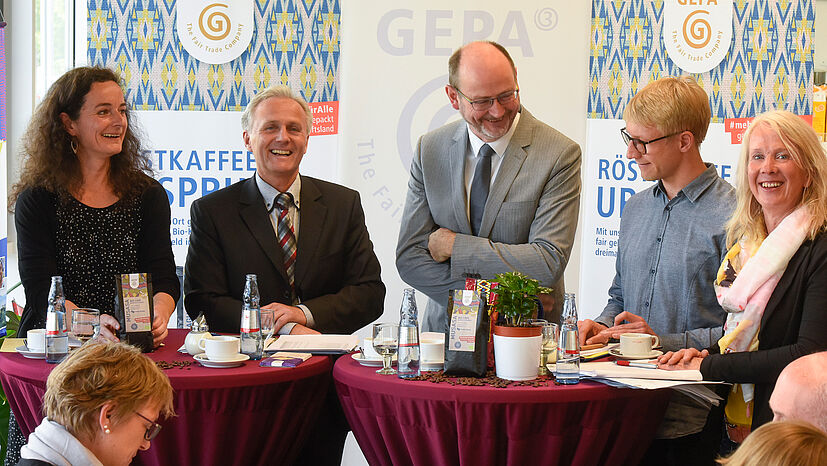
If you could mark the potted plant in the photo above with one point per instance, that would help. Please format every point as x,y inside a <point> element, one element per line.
<point>517,343</point>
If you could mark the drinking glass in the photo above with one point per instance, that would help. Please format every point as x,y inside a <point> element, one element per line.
<point>549,342</point>
<point>551,338</point>
<point>267,324</point>
<point>85,323</point>
<point>385,338</point>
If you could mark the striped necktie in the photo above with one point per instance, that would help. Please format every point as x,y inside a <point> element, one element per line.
<point>287,238</point>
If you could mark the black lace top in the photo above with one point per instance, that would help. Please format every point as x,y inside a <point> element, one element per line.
<point>93,245</point>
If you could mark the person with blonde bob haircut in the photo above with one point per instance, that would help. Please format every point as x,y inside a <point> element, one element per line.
<point>786,443</point>
<point>772,280</point>
<point>101,404</point>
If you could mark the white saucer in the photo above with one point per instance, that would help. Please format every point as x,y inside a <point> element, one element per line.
<point>616,353</point>
<point>22,349</point>
<point>431,366</point>
<point>206,362</point>
<point>370,362</point>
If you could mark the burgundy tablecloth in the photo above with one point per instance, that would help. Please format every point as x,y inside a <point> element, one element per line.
<point>245,415</point>
<point>399,422</point>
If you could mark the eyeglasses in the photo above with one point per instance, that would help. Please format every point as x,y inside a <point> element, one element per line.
<point>479,105</point>
<point>640,144</point>
<point>152,430</point>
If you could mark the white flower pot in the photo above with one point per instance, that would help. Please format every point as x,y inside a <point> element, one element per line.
<point>517,358</point>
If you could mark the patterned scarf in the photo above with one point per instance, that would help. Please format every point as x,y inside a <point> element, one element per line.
<point>746,280</point>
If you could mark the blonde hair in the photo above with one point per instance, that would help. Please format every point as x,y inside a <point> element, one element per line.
<point>671,104</point>
<point>97,373</point>
<point>783,443</point>
<point>280,91</point>
<point>806,152</point>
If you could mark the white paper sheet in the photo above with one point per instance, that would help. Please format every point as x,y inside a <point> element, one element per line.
<point>318,344</point>
<point>607,369</point>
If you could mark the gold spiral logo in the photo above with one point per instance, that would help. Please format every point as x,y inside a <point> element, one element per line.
<point>217,24</point>
<point>697,32</point>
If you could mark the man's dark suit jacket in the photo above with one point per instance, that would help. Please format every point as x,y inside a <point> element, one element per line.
<point>337,275</point>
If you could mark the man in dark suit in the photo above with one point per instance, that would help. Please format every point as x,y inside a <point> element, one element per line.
<point>336,276</point>
<point>305,238</point>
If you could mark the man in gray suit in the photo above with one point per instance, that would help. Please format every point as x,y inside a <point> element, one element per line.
<point>497,192</point>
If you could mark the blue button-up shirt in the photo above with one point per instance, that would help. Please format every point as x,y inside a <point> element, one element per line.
<point>669,252</point>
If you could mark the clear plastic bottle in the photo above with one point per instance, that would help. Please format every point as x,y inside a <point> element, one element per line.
<point>408,354</point>
<point>57,336</point>
<point>252,343</point>
<point>568,351</point>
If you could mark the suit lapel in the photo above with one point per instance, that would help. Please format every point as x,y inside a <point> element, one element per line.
<point>311,222</point>
<point>456,154</point>
<point>257,220</point>
<point>513,159</point>
<point>785,283</point>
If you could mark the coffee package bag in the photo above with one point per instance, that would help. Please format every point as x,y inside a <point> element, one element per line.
<point>134,309</point>
<point>466,342</point>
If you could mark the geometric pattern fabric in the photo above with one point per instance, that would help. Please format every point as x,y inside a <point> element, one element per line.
<point>295,43</point>
<point>768,66</point>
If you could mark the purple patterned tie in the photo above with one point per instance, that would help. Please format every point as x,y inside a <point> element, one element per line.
<point>287,238</point>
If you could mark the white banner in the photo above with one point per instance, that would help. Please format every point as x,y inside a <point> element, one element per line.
<point>609,180</point>
<point>395,68</point>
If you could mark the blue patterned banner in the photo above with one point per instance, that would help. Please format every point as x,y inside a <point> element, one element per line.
<point>769,64</point>
<point>295,43</point>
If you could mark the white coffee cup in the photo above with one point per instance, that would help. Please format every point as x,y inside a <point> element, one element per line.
<point>368,350</point>
<point>36,340</point>
<point>637,344</point>
<point>432,347</point>
<point>220,347</point>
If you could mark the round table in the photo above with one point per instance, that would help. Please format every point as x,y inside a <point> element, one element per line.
<point>243,415</point>
<point>401,422</point>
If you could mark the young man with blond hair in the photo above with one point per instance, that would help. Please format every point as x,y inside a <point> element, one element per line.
<point>671,243</point>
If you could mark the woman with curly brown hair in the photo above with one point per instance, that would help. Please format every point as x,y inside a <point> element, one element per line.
<point>85,207</point>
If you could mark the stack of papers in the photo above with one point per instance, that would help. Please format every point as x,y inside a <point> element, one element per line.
<point>689,382</point>
<point>597,353</point>
<point>316,344</point>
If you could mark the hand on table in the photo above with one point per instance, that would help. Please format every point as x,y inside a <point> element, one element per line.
<point>164,307</point>
<point>283,314</point>
<point>159,329</point>
<point>591,332</point>
<point>441,244</point>
<point>685,359</point>
<point>636,324</point>
<point>300,329</point>
<point>109,327</point>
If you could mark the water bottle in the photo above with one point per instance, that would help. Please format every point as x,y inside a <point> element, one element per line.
<point>57,337</point>
<point>568,351</point>
<point>252,344</point>
<point>407,364</point>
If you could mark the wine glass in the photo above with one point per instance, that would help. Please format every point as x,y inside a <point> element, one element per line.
<point>385,338</point>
